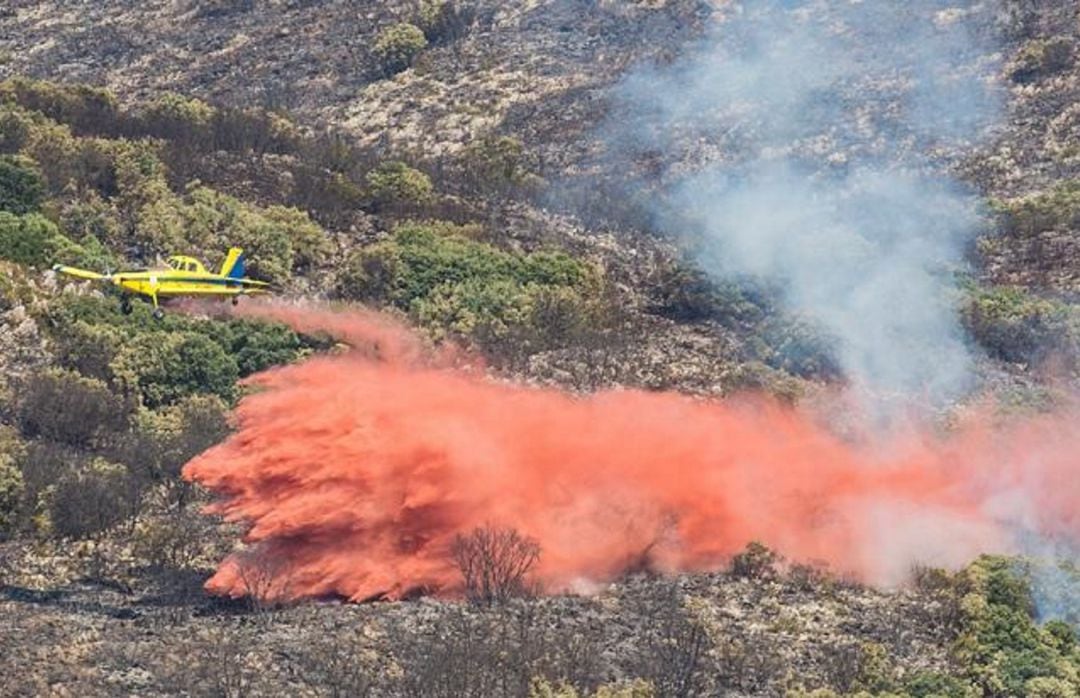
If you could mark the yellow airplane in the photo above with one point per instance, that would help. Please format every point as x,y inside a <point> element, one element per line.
<point>183,276</point>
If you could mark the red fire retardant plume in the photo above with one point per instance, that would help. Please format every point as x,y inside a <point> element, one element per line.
<point>355,471</point>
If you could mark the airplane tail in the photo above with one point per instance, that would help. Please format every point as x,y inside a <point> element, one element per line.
<point>233,268</point>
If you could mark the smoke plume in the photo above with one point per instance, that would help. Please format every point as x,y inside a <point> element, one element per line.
<point>809,145</point>
<point>355,471</point>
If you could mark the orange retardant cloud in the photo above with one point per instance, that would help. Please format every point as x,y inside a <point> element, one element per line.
<point>355,471</point>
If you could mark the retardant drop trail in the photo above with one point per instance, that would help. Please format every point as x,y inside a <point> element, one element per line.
<point>355,471</point>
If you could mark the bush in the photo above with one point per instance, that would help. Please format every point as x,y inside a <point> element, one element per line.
<point>397,45</point>
<point>1046,687</point>
<point>84,330</point>
<point>756,562</point>
<point>444,21</point>
<point>88,348</point>
<point>686,294</point>
<point>163,441</point>
<point>93,217</point>
<point>494,564</point>
<point>84,108</point>
<point>255,345</point>
<point>373,274</point>
<point>454,286</point>
<point>1000,648</point>
<point>395,184</point>
<point>498,166</point>
<point>1055,209</point>
<point>93,499</point>
<point>172,542</point>
<point>1042,57</point>
<point>931,685</point>
<point>163,368</point>
<point>68,408</point>
<point>32,240</point>
<point>276,239</point>
<point>11,492</point>
<point>178,118</point>
<point>21,185</point>
<point>1016,326</point>
<point>676,644</point>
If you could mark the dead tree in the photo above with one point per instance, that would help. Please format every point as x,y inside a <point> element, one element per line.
<point>495,564</point>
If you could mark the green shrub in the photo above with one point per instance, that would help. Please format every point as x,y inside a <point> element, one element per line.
<point>21,185</point>
<point>1055,209</point>
<point>82,107</point>
<point>85,330</point>
<point>397,45</point>
<point>91,216</point>
<point>178,118</point>
<point>489,308</point>
<point>455,286</point>
<point>256,345</point>
<point>1001,649</point>
<point>164,368</point>
<point>932,685</point>
<point>1016,326</point>
<point>373,274</point>
<point>276,239</point>
<point>394,183</point>
<point>88,348</point>
<point>1047,687</point>
<point>15,130</point>
<point>32,240</point>
<point>1062,635</point>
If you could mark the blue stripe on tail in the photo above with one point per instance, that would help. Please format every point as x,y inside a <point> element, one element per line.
<point>237,271</point>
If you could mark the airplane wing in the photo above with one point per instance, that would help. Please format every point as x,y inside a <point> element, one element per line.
<point>78,273</point>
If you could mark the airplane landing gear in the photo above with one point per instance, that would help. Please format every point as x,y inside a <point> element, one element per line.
<point>125,306</point>
<point>159,314</point>
<point>235,300</point>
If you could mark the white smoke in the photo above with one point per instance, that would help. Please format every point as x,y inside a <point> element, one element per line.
<point>820,136</point>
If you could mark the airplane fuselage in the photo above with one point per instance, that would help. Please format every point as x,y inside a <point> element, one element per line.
<point>166,283</point>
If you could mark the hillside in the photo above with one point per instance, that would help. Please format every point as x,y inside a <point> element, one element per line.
<point>548,187</point>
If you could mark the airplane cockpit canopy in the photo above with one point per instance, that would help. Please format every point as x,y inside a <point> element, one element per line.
<point>180,263</point>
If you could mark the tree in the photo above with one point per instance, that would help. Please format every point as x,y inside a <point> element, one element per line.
<point>494,563</point>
